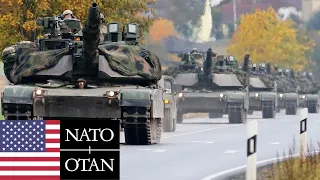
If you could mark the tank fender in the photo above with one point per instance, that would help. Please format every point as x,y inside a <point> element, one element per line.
<point>135,97</point>
<point>17,94</point>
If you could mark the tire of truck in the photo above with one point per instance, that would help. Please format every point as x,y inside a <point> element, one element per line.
<point>313,107</point>
<point>291,109</point>
<point>236,113</point>
<point>278,109</point>
<point>179,117</point>
<point>215,115</point>
<point>250,112</point>
<point>168,121</point>
<point>268,110</point>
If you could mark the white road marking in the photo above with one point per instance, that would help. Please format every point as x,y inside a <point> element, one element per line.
<point>206,142</point>
<point>222,173</point>
<point>230,151</point>
<point>153,150</point>
<point>276,143</point>
<point>205,130</point>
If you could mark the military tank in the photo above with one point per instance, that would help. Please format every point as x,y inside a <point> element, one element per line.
<point>308,92</point>
<point>76,77</point>
<point>211,89</point>
<point>287,89</point>
<point>263,91</point>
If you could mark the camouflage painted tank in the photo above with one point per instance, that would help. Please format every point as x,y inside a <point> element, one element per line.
<point>308,92</point>
<point>263,91</point>
<point>64,77</point>
<point>287,89</point>
<point>210,90</point>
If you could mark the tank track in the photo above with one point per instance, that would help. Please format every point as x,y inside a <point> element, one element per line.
<point>139,127</point>
<point>17,111</point>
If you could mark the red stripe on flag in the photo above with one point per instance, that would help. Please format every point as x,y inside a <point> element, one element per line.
<point>30,177</point>
<point>52,131</point>
<point>27,168</point>
<point>53,150</point>
<point>29,158</point>
<point>52,140</point>
<point>57,122</point>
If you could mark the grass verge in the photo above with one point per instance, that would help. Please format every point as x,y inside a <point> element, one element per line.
<point>296,168</point>
<point>195,115</point>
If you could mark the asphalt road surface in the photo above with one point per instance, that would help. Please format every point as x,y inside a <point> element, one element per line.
<point>203,147</point>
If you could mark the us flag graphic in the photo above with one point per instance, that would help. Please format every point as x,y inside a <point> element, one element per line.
<point>30,150</point>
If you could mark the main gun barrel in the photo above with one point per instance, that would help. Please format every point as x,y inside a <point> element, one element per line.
<point>91,34</point>
<point>93,19</point>
<point>207,66</point>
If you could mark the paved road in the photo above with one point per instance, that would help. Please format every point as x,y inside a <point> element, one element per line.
<point>203,147</point>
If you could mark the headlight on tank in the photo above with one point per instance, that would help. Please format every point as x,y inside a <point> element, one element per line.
<point>166,101</point>
<point>39,92</point>
<point>180,94</point>
<point>112,94</point>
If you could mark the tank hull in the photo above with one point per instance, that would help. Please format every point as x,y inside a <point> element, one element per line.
<point>128,104</point>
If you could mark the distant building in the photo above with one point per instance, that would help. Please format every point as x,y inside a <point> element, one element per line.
<point>309,7</point>
<point>249,6</point>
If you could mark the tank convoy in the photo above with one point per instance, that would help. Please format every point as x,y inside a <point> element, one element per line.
<point>287,89</point>
<point>72,75</point>
<point>216,88</point>
<point>263,91</point>
<point>308,92</point>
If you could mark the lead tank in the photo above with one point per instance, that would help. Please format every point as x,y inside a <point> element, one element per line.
<point>263,91</point>
<point>308,92</point>
<point>211,90</point>
<point>75,77</point>
<point>287,89</point>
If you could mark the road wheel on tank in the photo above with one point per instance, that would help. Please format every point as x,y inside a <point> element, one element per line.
<point>215,115</point>
<point>179,117</point>
<point>168,121</point>
<point>250,112</point>
<point>236,113</point>
<point>313,108</point>
<point>141,130</point>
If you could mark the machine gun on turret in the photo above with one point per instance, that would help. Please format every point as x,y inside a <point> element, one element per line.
<point>60,32</point>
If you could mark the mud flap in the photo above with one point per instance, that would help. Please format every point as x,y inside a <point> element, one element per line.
<point>268,109</point>
<point>236,113</point>
<point>291,107</point>
<point>313,107</point>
